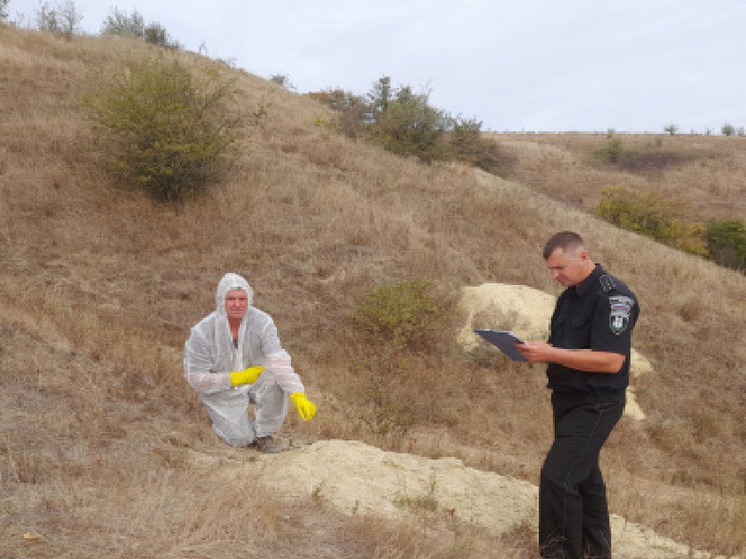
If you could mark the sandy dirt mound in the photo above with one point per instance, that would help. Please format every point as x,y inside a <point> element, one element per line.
<point>525,311</point>
<point>357,478</point>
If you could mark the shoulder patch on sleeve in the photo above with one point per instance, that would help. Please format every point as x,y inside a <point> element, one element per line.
<point>620,309</point>
<point>607,282</point>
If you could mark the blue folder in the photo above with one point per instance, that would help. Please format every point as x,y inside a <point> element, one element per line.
<point>505,341</point>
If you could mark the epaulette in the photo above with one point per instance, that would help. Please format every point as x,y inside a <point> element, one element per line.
<point>607,282</point>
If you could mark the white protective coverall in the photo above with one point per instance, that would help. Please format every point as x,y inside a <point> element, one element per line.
<point>210,356</point>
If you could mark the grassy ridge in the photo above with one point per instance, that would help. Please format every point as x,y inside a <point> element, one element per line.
<point>101,285</point>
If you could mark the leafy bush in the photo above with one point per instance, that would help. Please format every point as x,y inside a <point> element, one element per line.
<point>726,241</point>
<point>465,138</point>
<point>351,110</point>
<point>62,19</point>
<point>156,34</point>
<point>405,313</point>
<point>467,143</point>
<point>648,213</point>
<point>133,25</point>
<point>403,122</point>
<point>408,125</point>
<point>119,23</point>
<point>283,81</point>
<point>162,129</point>
<point>612,152</point>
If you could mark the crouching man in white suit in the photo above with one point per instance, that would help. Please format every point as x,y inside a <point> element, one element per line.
<point>234,358</point>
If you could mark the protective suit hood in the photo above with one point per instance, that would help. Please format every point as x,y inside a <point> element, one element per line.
<point>230,282</point>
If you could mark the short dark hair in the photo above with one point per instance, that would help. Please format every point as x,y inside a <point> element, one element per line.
<point>564,240</point>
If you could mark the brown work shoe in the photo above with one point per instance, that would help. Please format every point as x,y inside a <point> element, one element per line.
<point>267,445</point>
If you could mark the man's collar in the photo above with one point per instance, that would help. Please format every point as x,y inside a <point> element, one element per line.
<point>584,286</point>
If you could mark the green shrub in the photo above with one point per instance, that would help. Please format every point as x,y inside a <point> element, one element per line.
<point>726,241</point>
<point>639,212</point>
<point>163,129</point>
<point>647,212</point>
<point>62,19</point>
<point>156,34</point>
<point>410,126</point>
<point>119,23</point>
<point>351,110</point>
<point>465,138</point>
<point>133,25</point>
<point>405,123</point>
<point>283,81</point>
<point>612,152</point>
<point>466,143</point>
<point>405,313</point>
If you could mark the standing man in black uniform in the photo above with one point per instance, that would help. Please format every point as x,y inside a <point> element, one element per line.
<point>587,353</point>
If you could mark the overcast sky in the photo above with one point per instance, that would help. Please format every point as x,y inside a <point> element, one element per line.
<point>535,65</point>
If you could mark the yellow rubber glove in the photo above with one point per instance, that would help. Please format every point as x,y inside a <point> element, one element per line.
<point>306,408</point>
<point>247,376</point>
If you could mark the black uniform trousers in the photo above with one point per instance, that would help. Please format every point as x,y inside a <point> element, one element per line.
<point>573,514</point>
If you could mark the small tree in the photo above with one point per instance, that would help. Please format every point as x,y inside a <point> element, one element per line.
<point>4,11</point>
<point>163,129</point>
<point>612,152</point>
<point>671,129</point>
<point>380,96</point>
<point>726,240</point>
<point>133,25</point>
<point>352,110</point>
<point>283,81</point>
<point>156,34</point>
<point>62,19</point>
<point>466,137</point>
<point>467,144</point>
<point>410,126</point>
<point>728,129</point>
<point>119,23</point>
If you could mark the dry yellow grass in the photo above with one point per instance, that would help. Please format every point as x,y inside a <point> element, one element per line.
<point>100,287</point>
<point>702,176</point>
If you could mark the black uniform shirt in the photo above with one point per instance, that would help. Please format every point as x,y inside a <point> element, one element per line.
<point>599,314</point>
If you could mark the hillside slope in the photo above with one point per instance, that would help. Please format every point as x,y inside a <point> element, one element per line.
<point>100,286</point>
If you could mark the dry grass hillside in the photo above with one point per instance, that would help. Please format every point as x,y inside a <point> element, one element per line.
<point>99,287</point>
<point>703,177</point>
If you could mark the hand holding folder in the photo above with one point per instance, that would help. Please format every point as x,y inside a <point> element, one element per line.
<point>505,341</point>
